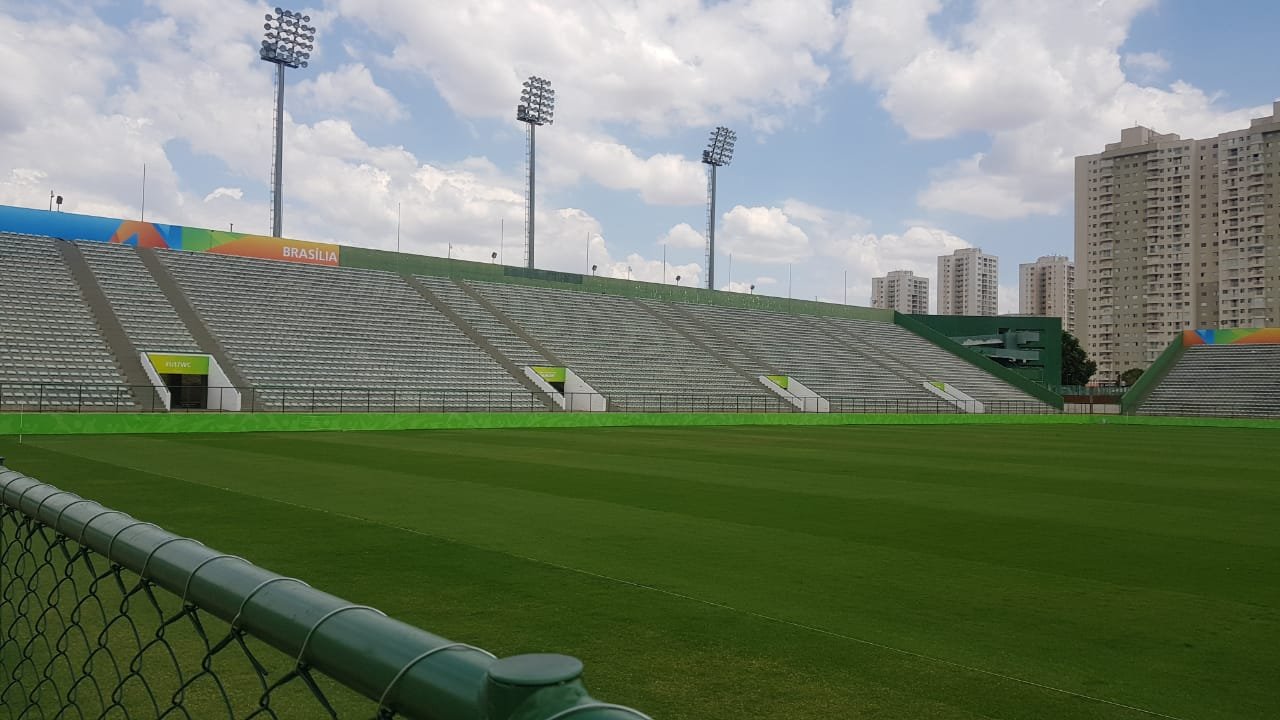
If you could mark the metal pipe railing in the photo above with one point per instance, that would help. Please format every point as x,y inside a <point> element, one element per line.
<point>293,399</point>
<point>404,669</point>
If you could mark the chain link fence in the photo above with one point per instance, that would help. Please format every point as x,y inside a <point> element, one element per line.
<point>104,616</point>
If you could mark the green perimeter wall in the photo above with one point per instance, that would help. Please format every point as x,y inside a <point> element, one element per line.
<point>154,423</point>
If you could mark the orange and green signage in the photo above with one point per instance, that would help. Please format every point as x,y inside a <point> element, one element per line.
<point>142,234</point>
<point>1232,336</point>
<point>179,364</point>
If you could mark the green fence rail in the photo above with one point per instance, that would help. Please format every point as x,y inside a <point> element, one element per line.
<point>102,615</point>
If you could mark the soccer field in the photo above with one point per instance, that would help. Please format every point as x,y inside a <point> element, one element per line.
<point>926,572</point>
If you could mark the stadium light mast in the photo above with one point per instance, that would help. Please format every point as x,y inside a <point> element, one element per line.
<point>287,42</point>
<point>537,107</point>
<point>719,153</point>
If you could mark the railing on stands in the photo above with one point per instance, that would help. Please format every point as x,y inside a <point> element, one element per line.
<point>102,615</point>
<point>53,397</point>
<point>685,403</point>
<point>59,397</point>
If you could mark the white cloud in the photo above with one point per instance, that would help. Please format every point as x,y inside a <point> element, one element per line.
<point>658,65</point>
<point>1042,78</point>
<point>225,192</point>
<point>661,179</point>
<point>683,236</point>
<point>195,81</point>
<point>351,88</point>
<point>763,235</point>
<point>1147,64</point>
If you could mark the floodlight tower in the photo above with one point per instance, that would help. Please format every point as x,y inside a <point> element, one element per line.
<point>287,42</point>
<point>719,153</point>
<point>537,107</point>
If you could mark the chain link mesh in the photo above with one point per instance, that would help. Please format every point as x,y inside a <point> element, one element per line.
<point>81,637</point>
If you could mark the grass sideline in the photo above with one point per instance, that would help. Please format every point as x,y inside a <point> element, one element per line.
<point>157,423</point>
<point>924,572</point>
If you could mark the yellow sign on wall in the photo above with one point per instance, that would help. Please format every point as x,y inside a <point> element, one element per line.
<point>179,364</point>
<point>550,374</point>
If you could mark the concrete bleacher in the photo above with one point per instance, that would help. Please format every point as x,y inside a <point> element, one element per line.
<point>507,342</point>
<point>308,336</point>
<point>829,364</point>
<point>631,357</point>
<point>144,312</point>
<point>929,362</point>
<point>1219,381</point>
<point>52,354</point>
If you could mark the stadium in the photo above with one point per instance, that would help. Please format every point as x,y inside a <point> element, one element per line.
<point>256,476</point>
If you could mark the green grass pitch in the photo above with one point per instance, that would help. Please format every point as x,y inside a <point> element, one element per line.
<point>724,573</point>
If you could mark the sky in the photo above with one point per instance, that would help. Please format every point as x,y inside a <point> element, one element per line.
<point>873,135</point>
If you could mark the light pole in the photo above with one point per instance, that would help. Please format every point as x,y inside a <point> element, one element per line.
<point>537,107</point>
<point>719,153</point>
<point>287,42</point>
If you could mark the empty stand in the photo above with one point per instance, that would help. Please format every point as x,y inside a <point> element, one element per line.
<point>52,354</point>
<point>827,363</point>
<point>307,336</point>
<point>1220,381</point>
<point>507,342</point>
<point>144,312</point>
<point>637,361</point>
<point>929,362</point>
<point>302,337</point>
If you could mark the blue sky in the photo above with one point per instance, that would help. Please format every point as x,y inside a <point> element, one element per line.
<point>873,135</point>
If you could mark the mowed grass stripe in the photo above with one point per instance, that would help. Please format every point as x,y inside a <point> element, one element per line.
<point>906,600</point>
<point>675,668</point>
<point>1092,635</point>
<point>997,532</point>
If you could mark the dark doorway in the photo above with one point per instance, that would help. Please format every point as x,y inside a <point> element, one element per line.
<point>187,392</point>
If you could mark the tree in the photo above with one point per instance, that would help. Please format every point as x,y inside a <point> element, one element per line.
<point>1077,368</point>
<point>1130,376</point>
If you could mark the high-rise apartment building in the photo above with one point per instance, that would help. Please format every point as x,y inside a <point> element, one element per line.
<point>1174,234</point>
<point>901,290</point>
<point>968,283</point>
<point>1046,288</point>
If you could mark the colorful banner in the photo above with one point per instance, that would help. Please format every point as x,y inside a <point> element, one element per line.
<point>1233,336</point>
<point>179,364</point>
<point>69,226</point>
<point>782,381</point>
<point>550,374</point>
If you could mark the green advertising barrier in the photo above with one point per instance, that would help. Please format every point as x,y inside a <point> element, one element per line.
<point>162,423</point>
<point>167,364</point>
